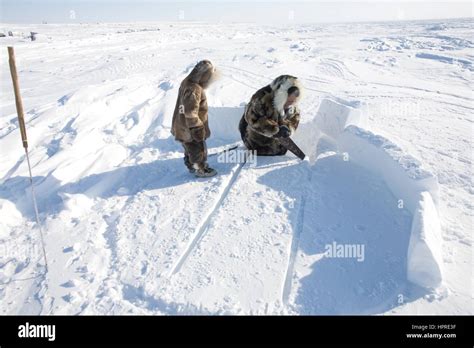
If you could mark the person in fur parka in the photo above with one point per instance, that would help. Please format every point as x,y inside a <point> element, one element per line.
<point>190,120</point>
<point>271,113</point>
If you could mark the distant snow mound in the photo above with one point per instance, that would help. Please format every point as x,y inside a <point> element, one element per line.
<point>437,27</point>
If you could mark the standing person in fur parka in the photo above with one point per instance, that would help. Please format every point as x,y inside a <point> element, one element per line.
<point>271,113</point>
<point>190,120</point>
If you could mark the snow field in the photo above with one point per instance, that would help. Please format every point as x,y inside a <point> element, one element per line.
<point>129,231</point>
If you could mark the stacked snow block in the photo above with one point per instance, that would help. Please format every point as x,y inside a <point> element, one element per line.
<point>330,121</point>
<point>334,116</point>
<point>414,187</point>
<point>224,123</point>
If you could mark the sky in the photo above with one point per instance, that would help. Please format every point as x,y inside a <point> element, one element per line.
<point>315,11</point>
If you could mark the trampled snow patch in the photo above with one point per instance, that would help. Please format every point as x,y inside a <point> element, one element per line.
<point>78,204</point>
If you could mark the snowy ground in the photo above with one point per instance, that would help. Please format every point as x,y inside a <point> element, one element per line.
<point>128,230</point>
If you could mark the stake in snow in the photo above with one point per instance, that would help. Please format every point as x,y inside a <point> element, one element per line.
<point>383,118</point>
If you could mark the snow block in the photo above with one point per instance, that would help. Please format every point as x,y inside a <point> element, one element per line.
<point>424,266</point>
<point>334,116</point>
<point>224,122</point>
<point>327,125</point>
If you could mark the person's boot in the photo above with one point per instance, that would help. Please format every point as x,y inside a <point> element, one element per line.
<point>188,164</point>
<point>205,172</point>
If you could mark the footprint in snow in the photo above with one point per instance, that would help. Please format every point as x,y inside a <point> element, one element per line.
<point>68,284</point>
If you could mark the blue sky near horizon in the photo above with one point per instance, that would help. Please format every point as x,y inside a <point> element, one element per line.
<point>266,11</point>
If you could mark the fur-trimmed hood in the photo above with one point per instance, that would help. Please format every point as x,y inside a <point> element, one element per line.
<point>280,87</point>
<point>204,73</point>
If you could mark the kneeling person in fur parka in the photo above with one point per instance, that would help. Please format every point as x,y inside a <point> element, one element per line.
<point>271,113</point>
<point>190,120</point>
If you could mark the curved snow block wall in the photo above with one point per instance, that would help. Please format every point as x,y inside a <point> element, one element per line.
<point>402,173</point>
<point>414,187</point>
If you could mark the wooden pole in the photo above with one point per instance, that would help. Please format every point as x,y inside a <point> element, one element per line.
<point>18,101</point>
<point>24,139</point>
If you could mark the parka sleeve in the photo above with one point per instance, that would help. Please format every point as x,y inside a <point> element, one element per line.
<point>190,106</point>
<point>257,119</point>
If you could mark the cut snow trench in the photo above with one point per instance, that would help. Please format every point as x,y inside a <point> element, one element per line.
<point>294,248</point>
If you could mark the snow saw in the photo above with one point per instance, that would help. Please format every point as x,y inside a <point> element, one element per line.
<point>291,146</point>
<point>285,142</point>
<point>231,148</point>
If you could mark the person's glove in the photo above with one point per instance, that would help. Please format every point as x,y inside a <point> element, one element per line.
<point>198,133</point>
<point>283,132</point>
